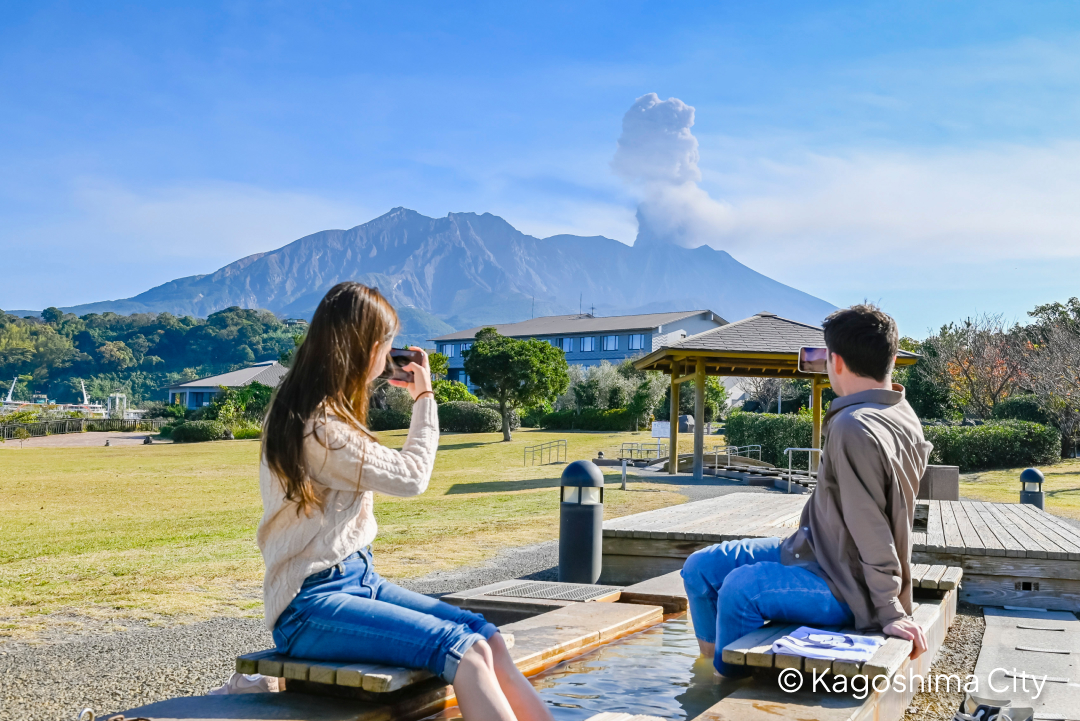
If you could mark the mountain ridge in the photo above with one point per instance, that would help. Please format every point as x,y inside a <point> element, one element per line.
<point>468,269</point>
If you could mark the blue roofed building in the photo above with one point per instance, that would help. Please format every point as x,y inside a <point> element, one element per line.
<point>586,339</point>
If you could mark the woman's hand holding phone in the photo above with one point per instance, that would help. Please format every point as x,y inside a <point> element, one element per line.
<point>421,376</point>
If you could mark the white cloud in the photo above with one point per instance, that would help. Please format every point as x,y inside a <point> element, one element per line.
<point>980,204</point>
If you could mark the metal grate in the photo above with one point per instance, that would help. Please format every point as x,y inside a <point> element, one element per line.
<point>555,591</point>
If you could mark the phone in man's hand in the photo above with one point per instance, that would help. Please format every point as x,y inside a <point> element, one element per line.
<point>399,358</point>
<point>813,360</point>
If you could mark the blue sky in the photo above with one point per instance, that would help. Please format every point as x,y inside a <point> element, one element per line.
<point>925,155</point>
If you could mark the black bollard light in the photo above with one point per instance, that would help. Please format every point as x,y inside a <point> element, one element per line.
<point>581,523</point>
<point>1031,491</point>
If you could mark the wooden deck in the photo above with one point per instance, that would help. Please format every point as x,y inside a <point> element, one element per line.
<point>1012,554</point>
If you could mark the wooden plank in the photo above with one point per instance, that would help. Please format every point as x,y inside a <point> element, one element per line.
<point>1052,550</point>
<point>249,662</point>
<point>1051,531</point>
<point>989,542</point>
<point>735,652</point>
<point>384,679</point>
<point>761,655</point>
<point>666,591</point>
<point>854,668</point>
<point>295,669</point>
<point>887,659</point>
<point>273,665</point>
<point>935,534</point>
<point>1053,593</point>
<point>954,542</point>
<point>951,578</point>
<point>932,576</point>
<point>918,570</point>
<point>972,539</point>
<point>352,675</point>
<point>1032,548</point>
<point>1014,548</point>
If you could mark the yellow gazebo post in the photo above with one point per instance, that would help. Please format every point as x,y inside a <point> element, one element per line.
<point>673,424</point>
<point>816,386</point>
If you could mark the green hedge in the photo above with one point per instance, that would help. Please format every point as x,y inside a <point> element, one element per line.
<point>466,417</point>
<point>166,431</point>
<point>1021,407</point>
<point>387,419</point>
<point>773,433</point>
<point>997,444</point>
<point>591,419</point>
<point>199,431</point>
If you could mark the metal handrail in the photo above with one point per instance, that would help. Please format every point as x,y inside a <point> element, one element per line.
<point>735,450</point>
<point>809,461</point>
<point>641,451</point>
<point>81,425</point>
<point>558,446</point>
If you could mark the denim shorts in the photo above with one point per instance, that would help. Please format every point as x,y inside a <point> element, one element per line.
<point>348,613</point>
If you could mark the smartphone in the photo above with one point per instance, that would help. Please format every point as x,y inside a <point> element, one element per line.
<point>399,358</point>
<point>813,360</point>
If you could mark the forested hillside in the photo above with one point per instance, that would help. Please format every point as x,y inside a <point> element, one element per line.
<point>140,354</point>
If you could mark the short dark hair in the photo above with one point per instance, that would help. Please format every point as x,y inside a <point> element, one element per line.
<point>865,337</point>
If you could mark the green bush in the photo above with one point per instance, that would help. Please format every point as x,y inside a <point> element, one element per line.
<point>1021,407</point>
<point>773,433</point>
<point>247,433</point>
<point>465,417</point>
<point>166,431</point>
<point>448,391</point>
<point>533,415</point>
<point>592,419</point>
<point>387,419</point>
<point>199,431</point>
<point>515,417</point>
<point>997,444</point>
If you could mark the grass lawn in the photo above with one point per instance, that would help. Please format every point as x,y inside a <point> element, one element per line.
<point>169,530</point>
<point>1062,486</point>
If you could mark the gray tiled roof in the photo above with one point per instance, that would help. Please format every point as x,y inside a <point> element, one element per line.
<point>577,323</point>
<point>761,333</point>
<point>269,373</point>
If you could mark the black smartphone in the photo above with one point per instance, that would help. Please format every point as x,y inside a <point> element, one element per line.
<point>813,360</point>
<point>399,358</point>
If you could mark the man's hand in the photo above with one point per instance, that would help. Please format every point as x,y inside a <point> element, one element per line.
<point>908,629</point>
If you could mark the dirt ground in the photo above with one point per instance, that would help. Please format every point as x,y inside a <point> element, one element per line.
<point>958,656</point>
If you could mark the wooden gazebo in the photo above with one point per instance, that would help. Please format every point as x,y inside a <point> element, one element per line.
<point>761,346</point>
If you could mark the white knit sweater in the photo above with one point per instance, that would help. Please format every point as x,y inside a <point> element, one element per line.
<point>345,472</point>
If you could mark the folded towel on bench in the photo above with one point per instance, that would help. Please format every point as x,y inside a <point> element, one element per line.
<point>827,645</point>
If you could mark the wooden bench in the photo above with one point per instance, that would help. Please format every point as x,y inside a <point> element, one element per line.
<point>535,643</point>
<point>754,650</point>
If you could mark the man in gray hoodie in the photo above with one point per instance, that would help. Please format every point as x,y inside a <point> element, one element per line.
<point>849,563</point>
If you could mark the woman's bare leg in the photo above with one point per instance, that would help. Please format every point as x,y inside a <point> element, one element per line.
<point>477,687</point>
<point>519,692</point>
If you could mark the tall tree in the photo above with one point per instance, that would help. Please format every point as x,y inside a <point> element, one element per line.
<point>982,359</point>
<point>515,373</point>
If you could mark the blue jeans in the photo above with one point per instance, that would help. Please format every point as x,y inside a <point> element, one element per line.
<point>735,586</point>
<point>348,613</point>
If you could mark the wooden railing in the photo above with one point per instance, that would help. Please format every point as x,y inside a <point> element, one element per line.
<point>81,425</point>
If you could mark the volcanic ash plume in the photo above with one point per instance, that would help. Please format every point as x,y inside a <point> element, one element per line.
<point>658,155</point>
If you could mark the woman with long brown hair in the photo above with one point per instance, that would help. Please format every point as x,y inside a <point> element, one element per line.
<point>320,468</point>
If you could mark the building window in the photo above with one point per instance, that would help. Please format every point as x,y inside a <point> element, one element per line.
<point>448,350</point>
<point>466,346</point>
<point>588,344</point>
<point>555,342</point>
<point>636,341</point>
<point>567,345</point>
<point>611,342</point>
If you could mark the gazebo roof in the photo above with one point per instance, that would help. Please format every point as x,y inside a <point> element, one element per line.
<point>763,345</point>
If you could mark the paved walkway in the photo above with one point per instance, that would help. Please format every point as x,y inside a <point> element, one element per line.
<point>82,440</point>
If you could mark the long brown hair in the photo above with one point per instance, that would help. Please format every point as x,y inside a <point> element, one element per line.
<point>329,374</point>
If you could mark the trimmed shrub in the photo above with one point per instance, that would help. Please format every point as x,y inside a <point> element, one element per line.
<point>592,419</point>
<point>1021,407</point>
<point>533,415</point>
<point>241,433</point>
<point>449,391</point>
<point>199,431</point>
<point>515,417</point>
<point>773,433</point>
<point>465,417</point>
<point>996,444</point>
<point>166,431</point>
<point>388,419</point>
